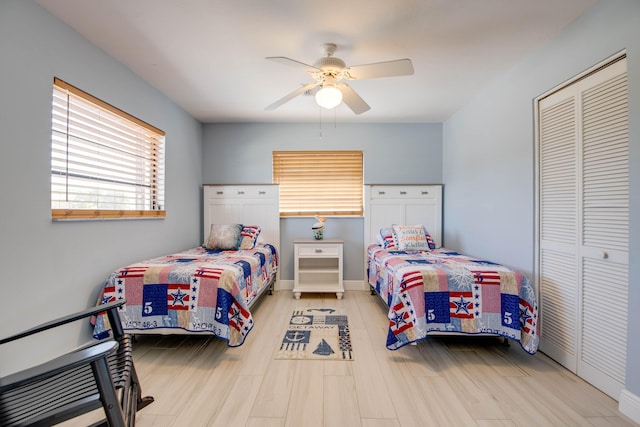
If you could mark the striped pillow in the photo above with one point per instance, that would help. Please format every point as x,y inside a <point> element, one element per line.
<point>387,239</point>
<point>249,236</point>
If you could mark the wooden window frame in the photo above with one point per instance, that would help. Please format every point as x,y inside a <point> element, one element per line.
<point>105,163</point>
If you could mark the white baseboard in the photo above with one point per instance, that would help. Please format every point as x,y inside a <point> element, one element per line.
<point>355,285</point>
<point>629,405</point>
<point>349,285</point>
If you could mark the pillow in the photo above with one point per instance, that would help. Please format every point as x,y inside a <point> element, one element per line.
<point>432,244</point>
<point>411,237</point>
<point>248,236</point>
<point>224,236</point>
<point>387,239</point>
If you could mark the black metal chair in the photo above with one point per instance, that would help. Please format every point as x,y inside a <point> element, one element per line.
<point>101,374</point>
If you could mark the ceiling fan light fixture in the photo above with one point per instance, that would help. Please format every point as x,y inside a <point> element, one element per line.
<point>329,97</point>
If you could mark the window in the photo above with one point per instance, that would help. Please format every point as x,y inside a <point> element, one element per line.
<point>105,163</point>
<point>319,182</point>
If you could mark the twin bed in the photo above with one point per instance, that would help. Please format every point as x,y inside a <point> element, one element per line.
<point>431,290</point>
<point>428,289</point>
<point>208,289</point>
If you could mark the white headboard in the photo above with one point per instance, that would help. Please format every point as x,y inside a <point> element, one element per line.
<point>257,204</point>
<point>385,205</point>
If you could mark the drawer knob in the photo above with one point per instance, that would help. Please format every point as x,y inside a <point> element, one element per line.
<point>318,251</point>
<point>219,192</point>
<point>425,192</point>
<point>604,255</point>
<point>240,192</point>
<point>403,193</point>
<point>381,192</point>
<point>262,192</point>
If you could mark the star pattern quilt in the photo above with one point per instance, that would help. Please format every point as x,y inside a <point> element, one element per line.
<point>198,290</point>
<point>442,290</point>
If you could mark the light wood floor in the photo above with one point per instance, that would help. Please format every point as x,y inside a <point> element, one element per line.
<point>199,381</point>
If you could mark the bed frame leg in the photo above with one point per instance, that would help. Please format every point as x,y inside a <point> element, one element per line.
<point>506,343</point>
<point>373,291</point>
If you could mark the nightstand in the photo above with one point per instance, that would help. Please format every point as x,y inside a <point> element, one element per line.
<point>318,266</point>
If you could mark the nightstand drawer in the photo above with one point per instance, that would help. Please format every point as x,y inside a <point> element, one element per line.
<point>319,250</point>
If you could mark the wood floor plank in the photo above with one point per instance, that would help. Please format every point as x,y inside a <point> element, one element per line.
<point>337,368</point>
<point>203,396</point>
<point>443,403</point>
<point>474,397</point>
<point>380,422</point>
<point>273,399</point>
<point>409,408</point>
<point>236,409</point>
<point>306,406</point>
<point>340,402</point>
<point>146,420</point>
<point>525,407</point>
<point>265,422</point>
<point>611,422</point>
<point>366,370</point>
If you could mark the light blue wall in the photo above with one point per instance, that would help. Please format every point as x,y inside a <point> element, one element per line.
<point>489,151</point>
<point>50,269</point>
<point>393,154</point>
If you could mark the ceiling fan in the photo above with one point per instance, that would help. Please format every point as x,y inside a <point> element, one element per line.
<point>328,73</point>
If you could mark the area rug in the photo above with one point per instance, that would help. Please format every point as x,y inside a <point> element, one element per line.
<point>316,333</point>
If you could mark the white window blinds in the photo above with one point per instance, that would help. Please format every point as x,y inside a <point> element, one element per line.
<point>105,163</point>
<point>319,182</point>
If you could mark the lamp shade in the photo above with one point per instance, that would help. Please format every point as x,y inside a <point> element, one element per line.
<point>329,97</point>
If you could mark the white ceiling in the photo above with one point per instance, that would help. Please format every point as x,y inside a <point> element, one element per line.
<point>209,55</point>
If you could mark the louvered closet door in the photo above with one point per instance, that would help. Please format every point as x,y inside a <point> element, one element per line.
<point>583,205</point>
<point>605,229</point>
<point>559,290</point>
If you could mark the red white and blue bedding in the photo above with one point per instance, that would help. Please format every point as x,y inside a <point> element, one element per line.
<point>195,291</point>
<point>441,290</point>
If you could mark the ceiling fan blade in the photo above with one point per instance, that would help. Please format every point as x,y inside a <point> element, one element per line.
<point>292,62</point>
<point>400,67</point>
<point>352,99</point>
<point>292,95</point>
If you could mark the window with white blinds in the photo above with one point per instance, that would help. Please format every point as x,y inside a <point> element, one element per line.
<point>105,163</point>
<point>326,183</point>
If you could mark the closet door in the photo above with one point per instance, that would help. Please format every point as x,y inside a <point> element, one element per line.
<point>605,229</point>
<point>583,240</point>
<point>558,207</point>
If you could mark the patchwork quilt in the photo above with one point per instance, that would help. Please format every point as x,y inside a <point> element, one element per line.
<point>441,290</point>
<point>198,290</point>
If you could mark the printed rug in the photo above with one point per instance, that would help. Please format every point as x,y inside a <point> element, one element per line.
<point>316,333</point>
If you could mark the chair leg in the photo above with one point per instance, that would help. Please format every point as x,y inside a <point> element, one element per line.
<point>108,395</point>
<point>141,402</point>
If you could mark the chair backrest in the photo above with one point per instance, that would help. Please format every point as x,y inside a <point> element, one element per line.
<point>73,384</point>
